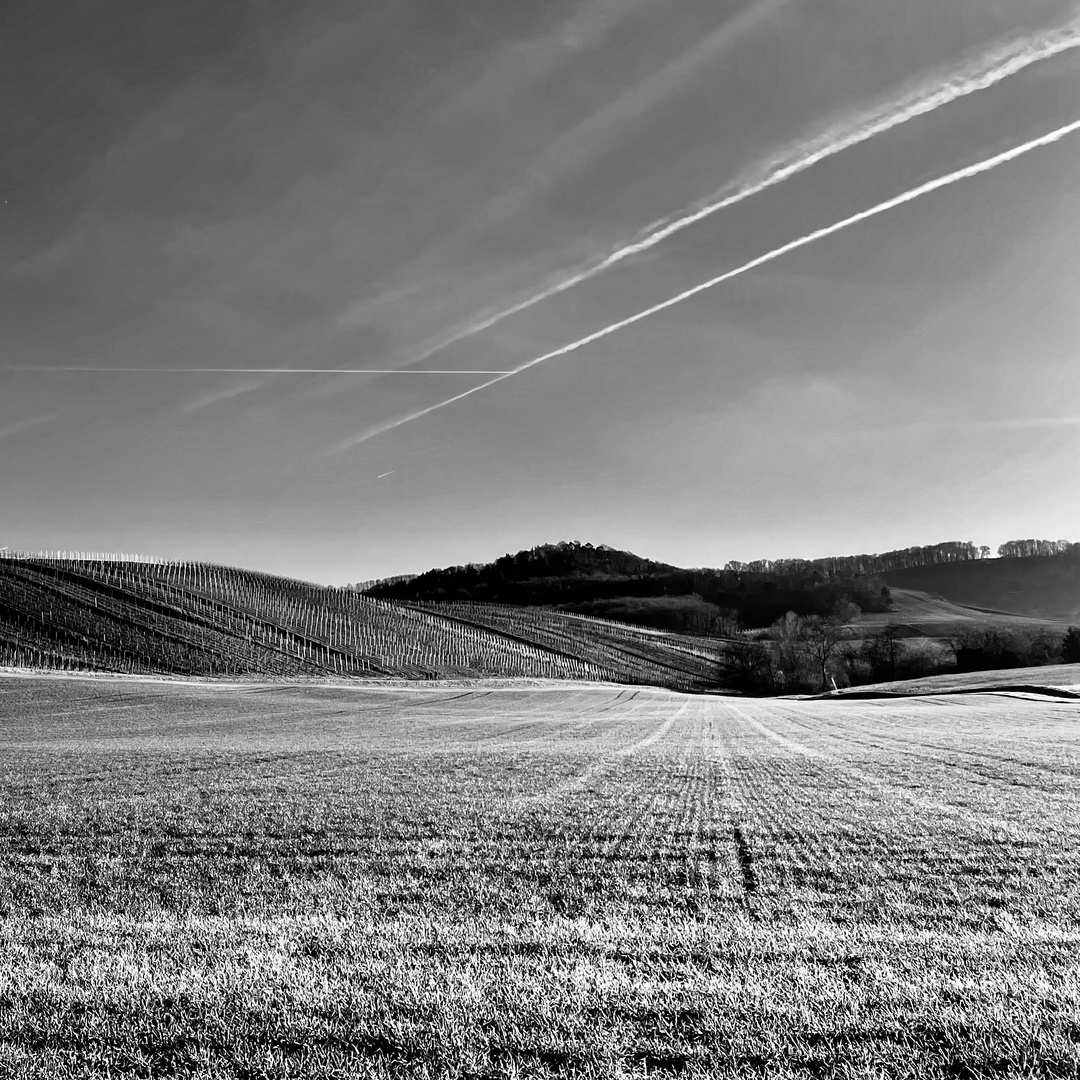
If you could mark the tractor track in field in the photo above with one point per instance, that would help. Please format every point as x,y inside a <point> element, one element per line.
<point>607,761</point>
<point>974,820</point>
<point>988,766</point>
<point>659,814</point>
<point>701,805</point>
<point>746,862</point>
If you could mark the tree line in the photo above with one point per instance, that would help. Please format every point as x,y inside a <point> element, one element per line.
<point>1027,549</point>
<point>950,551</point>
<point>617,584</point>
<point>816,654</point>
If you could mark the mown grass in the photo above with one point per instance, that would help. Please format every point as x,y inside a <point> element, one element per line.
<point>575,883</point>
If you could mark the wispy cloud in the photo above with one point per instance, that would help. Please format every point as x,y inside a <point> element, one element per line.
<point>945,425</point>
<point>570,151</point>
<point>205,401</point>
<point>1020,423</point>
<point>954,177</point>
<point>1004,60</point>
<point>29,423</point>
<point>590,138</point>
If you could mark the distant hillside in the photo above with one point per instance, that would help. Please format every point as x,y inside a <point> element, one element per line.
<point>542,575</point>
<point>930,614</point>
<point>114,615</point>
<point>619,585</point>
<point>563,611</point>
<point>1046,587</point>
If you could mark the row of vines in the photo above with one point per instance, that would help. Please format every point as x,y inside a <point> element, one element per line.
<point>626,653</point>
<point>143,615</point>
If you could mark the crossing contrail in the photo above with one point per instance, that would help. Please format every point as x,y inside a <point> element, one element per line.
<point>268,371</point>
<point>914,193</point>
<point>1005,60</point>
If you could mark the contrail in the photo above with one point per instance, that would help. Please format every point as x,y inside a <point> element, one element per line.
<point>267,371</point>
<point>914,193</point>
<point>989,70</point>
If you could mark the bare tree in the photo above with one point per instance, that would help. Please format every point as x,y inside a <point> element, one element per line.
<point>824,641</point>
<point>747,667</point>
<point>789,655</point>
<point>884,652</point>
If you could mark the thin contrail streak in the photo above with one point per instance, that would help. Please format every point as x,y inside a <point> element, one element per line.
<point>267,371</point>
<point>1003,62</point>
<point>914,193</point>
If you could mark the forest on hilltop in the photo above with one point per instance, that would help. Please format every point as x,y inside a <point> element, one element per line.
<point>619,585</point>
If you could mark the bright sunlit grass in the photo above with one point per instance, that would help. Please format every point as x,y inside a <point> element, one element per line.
<point>590,882</point>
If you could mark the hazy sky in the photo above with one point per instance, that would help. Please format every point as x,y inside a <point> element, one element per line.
<point>331,185</point>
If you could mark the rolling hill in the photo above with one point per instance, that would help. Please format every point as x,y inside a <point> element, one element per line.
<point>566,611</point>
<point>567,572</point>
<point>619,585</point>
<point>601,581</point>
<point>929,614</point>
<point>200,619</point>
<point>1044,587</point>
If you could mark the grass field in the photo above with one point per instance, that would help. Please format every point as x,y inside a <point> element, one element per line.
<point>274,881</point>
<point>1047,588</point>
<point>933,614</point>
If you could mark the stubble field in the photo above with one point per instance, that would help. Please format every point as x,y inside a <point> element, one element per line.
<point>597,881</point>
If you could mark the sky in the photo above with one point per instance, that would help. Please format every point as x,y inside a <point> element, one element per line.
<point>216,220</point>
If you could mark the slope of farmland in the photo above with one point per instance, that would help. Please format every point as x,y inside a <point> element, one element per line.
<point>629,653</point>
<point>200,619</point>
<point>926,613</point>
<point>1053,677</point>
<point>1042,587</point>
<point>284,881</point>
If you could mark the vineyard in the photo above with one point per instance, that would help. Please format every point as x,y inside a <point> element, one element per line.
<point>141,616</point>
<point>627,653</point>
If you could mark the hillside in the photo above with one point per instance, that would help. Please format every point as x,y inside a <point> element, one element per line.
<point>201,619</point>
<point>622,586</point>
<point>603,582</point>
<point>1055,680</point>
<point>582,613</point>
<point>929,614</point>
<point>565,572</point>
<point>1045,587</point>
